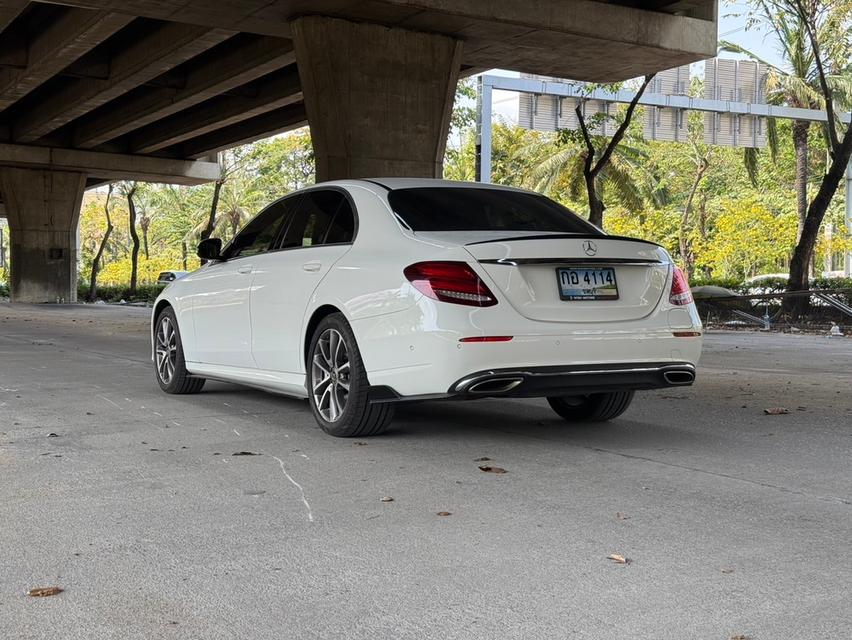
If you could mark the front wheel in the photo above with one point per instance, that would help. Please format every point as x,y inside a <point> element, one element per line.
<point>593,407</point>
<point>338,390</point>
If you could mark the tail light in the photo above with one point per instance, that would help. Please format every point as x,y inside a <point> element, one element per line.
<point>681,293</point>
<point>453,282</point>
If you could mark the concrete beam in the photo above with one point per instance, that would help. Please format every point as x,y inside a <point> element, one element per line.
<point>262,126</point>
<point>240,16</point>
<point>579,39</point>
<point>221,71</point>
<point>274,92</point>
<point>109,166</point>
<point>379,100</point>
<point>66,40</point>
<point>146,57</point>
<point>9,10</point>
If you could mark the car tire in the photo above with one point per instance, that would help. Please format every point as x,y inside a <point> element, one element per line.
<point>338,389</point>
<point>593,407</point>
<point>169,364</point>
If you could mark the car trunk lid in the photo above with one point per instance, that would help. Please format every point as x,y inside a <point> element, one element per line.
<point>526,269</point>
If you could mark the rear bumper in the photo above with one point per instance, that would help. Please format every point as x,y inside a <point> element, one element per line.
<point>539,382</point>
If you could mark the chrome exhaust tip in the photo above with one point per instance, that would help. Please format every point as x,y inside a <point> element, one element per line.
<point>679,377</point>
<point>495,385</point>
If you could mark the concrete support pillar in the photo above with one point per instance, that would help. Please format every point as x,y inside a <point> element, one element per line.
<point>43,208</point>
<point>378,99</point>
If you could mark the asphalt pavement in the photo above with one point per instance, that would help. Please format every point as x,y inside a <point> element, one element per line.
<point>732,522</point>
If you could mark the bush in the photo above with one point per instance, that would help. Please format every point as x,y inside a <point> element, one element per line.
<point>727,283</point>
<point>144,293</point>
<point>4,290</point>
<point>772,285</point>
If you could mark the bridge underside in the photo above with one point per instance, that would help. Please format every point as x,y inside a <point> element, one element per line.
<point>99,90</point>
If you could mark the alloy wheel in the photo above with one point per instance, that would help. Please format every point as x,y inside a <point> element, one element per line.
<point>330,375</point>
<point>166,350</point>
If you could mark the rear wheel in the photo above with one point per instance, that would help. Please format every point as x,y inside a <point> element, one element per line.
<point>593,407</point>
<point>169,364</point>
<point>338,390</point>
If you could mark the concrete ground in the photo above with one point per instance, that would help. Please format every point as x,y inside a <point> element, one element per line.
<point>735,522</point>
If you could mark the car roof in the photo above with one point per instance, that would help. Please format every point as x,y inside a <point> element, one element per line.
<point>411,183</point>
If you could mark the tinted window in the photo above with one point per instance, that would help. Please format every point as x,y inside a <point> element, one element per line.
<point>323,217</point>
<point>474,209</point>
<point>259,234</point>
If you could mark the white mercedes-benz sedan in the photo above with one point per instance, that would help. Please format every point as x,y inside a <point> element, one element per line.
<point>360,294</point>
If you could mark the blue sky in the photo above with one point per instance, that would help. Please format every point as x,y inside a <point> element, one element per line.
<point>732,27</point>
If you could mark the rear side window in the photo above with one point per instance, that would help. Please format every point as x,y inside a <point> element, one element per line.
<point>475,209</point>
<point>323,217</point>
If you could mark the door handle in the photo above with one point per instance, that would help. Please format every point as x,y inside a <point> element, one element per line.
<point>245,269</point>
<point>312,266</point>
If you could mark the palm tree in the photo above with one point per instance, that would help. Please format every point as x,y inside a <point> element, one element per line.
<point>796,86</point>
<point>627,177</point>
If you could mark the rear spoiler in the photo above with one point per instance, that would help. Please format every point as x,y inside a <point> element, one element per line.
<point>566,236</point>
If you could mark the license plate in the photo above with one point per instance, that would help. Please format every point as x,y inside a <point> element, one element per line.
<point>587,284</point>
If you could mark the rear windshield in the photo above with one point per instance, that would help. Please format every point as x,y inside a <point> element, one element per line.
<point>474,209</point>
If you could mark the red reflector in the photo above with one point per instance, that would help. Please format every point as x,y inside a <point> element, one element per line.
<point>680,294</point>
<point>448,281</point>
<point>686,334</point>
<point>486,339</point>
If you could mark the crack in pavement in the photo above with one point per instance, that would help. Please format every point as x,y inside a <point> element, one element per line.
<point>299,487</point>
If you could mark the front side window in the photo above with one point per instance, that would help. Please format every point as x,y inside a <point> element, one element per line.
<point>259,234</point>
<point>483,209</point>
<point>323,217</point>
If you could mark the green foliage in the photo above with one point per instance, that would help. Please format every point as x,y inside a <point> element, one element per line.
<point>172,217</point>
<point>777,285</point>
<point>742,222</point>
<point>117,293</point>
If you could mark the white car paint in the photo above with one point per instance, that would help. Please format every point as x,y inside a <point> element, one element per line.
<point>245,320</point>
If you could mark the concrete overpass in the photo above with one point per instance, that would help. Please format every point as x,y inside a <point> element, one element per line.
<point>100,90</point>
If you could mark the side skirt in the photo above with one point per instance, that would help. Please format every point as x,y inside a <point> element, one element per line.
<point>288,384</point>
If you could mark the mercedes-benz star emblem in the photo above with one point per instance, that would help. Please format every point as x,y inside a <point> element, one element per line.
<point>590,247</point>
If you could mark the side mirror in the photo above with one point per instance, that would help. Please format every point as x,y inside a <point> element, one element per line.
<point>210,249</point>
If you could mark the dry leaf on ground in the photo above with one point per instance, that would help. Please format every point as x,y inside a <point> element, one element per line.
<point>42,592</point>
<point>482,459</point>
<point>776,411</point>
<point>387,499</point>
<point>245,453</point>
<point>727,570</point>
<point>621,516</point>
<point>444,513</point>
<point>492,469</point>
<point>618,559</point>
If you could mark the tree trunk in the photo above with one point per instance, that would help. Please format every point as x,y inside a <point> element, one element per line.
<point>800,144</point>
<point>795,306</point>
<point>144,228</point>
<point>183,254</point>
<point>592,169</point>
<point>596,205</point>
<point>96,263</point>
<point>685,249</point>
<point>235,222</point>
<point>134,255</point>
<point>702,229</point>
<point>207,231</point>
